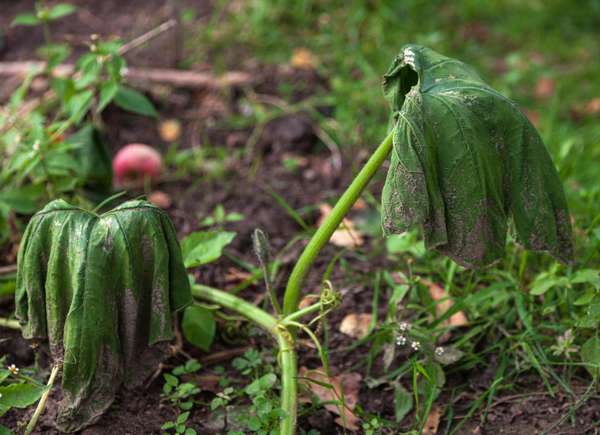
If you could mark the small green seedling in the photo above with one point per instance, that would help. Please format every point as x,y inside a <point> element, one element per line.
<point>220,217</point>
<point>181,395</point>
<point>265,413</point>
<point>249,363</point>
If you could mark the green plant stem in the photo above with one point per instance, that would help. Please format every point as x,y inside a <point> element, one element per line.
<point>47,35</point>
<point>311,309</point>
<point>42,403</point>
<point>287,354</point>
<point>331,223</point>
<point>9,323</point>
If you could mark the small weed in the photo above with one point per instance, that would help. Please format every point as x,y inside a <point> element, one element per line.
<point>181,395</point>
<point>372,426</point>
<point>249,363</point>
<point>219,217</point>
<point>17,389</point>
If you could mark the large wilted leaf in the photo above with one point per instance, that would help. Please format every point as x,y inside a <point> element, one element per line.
<point>464,160</point>
<point>101,291</point>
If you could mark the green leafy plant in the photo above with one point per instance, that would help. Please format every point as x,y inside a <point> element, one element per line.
<point>264,415</point>
<point>17,390</point>
<point>51,145</point>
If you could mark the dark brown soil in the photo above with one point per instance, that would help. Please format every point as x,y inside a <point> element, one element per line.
<point>245,187</point>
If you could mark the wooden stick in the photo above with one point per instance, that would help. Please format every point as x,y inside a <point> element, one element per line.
<point>174,77</point>
<point>6,270</point>
<point>141,40</point>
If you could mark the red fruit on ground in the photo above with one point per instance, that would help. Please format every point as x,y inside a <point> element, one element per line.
<point>135,162</point>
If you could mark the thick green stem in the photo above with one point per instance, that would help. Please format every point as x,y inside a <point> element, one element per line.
<point>331,223</point>
<point>287,354</point>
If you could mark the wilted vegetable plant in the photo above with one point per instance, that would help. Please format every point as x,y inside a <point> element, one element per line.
<point>101,290</point>
<point>464,160</point>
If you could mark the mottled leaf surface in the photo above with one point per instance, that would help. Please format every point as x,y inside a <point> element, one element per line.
<point>101,290</point>
<point>464,161</point>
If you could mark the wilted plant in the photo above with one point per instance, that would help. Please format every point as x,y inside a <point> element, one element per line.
<point>101,290</point>
<point>464,160</point>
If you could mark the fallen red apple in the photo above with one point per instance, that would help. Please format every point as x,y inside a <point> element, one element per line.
<point>136,162</point>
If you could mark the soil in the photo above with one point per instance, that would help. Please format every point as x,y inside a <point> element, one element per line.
<point>245,186</point>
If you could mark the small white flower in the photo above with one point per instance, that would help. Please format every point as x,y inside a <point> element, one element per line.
<point>13,369</point>
<point>439,351</point>
<point>401,340</point>
<point>415,345</point>
<point>404,326</point>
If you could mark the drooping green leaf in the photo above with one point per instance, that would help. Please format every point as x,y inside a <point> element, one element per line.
<point>20,395</point>
<point>202,247</point>
<point>464,160</point>
<point>101,290</point>
<point>4,430</point>
<point>134,101</point>
<point>199,326</point>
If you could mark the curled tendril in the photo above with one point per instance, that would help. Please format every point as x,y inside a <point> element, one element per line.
<point>329,297</point>
<point>329,300</point>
